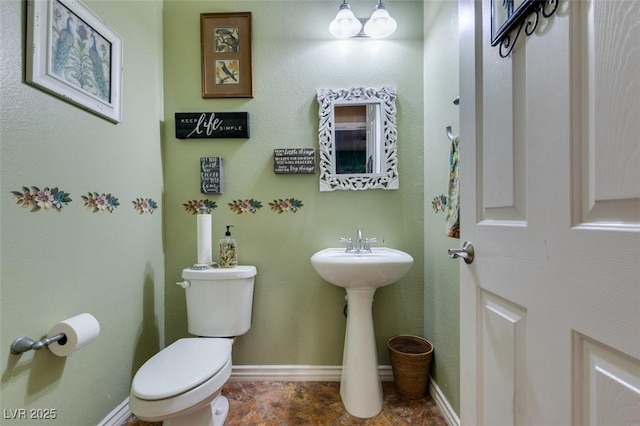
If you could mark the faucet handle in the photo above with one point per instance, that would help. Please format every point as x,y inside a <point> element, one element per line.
<point>367,242</point>
<point>349,242</point>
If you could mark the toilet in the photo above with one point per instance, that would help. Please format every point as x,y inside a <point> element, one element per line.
<point>181,385</point>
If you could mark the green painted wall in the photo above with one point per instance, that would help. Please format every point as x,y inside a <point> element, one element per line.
<point>55,265</point>
<point>297,317</point>
<point>113,265</point>
<point>441,277</point>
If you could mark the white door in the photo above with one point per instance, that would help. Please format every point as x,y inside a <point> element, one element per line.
<point>550,187</point>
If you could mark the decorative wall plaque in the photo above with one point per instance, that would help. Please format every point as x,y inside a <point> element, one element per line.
<point>294,160</point>
<point>211,175</point>
<point>213,125</point>
<point>512,17</point>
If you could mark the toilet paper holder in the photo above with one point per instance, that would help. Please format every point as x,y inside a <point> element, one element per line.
<point>24,343</point>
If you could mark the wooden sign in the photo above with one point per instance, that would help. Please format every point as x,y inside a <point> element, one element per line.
<point>294,160</point>
<point>211,175</point>
<point>212,125</point>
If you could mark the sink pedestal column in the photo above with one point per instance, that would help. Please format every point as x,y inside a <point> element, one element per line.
<point>360,387</point>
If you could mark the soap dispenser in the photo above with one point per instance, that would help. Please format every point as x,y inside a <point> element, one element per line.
<point>228,250</point>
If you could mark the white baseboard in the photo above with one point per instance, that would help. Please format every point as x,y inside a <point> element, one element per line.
<point>118,416</point>
<point>295,373</point>
<point>441,402</point>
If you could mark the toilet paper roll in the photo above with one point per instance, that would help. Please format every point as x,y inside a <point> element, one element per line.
<point>79,331</point>
<point>204,239</point>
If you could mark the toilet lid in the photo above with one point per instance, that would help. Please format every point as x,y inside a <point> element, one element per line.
<point>180,367</point>
<point>240,271</point>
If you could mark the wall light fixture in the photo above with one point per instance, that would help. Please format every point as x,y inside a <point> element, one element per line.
<point>346,25</point>
<point>381,24</point>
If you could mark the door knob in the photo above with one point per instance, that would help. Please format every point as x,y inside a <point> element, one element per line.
<point>466,252</point>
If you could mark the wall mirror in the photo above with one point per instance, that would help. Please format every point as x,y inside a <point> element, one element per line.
<point>358,138</point>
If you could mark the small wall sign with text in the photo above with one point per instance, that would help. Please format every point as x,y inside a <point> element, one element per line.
<point>212,125</point>
<point>211,175</point>
<point>294,160</point>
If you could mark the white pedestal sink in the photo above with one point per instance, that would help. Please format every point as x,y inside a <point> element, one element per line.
<point>361,273</point>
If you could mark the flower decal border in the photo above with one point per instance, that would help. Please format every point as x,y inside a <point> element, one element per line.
<point>286,205</point>
<point>439,203</point>
<point>144,205</point>
<point>200,206</point>
<point>98,203</point>
<point>52,198</point>
<point>245,206</point>
<point>41,199</point>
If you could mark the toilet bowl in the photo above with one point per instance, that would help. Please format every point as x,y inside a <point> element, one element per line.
<point>181,385</point>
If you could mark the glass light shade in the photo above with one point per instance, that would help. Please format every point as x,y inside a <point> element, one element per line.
<point>345,25</point>
<point>381,24</point>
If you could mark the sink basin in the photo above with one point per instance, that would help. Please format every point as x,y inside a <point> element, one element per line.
<point>360,273</point>
<point>362,269</point>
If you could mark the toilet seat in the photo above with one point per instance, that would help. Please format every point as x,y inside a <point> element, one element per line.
<point>180,367</point>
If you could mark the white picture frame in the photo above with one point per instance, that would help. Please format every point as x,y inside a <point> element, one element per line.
<point>73,54</point>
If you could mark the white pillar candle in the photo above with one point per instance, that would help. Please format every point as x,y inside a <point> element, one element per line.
<point>204,239</point>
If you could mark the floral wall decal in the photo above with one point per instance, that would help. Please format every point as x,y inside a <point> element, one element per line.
<point>439,203</point>
<point>245,206</point>
<point>144,205</point>
<point>41,199</point>
<point>200,206</point>
<point>286,205</point>
<point>100,202</point>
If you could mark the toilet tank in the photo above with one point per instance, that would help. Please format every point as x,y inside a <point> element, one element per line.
<point>219,301</point>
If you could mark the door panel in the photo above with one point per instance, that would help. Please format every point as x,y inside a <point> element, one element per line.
<point>607,385</point>
<point>605,101</point>
<point>503,153</point>
<point>503,329</point>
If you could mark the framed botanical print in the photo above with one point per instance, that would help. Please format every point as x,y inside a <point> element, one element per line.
<point>226,55</point>
<point>73,54</point>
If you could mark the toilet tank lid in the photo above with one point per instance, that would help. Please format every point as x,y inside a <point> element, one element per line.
<point>179,367</point>
<point>240,271</point>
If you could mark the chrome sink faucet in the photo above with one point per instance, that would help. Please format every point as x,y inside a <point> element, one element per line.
<point>362,243</point>
<point>359,240</point>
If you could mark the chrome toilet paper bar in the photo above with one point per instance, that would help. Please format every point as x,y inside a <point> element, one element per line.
<point>24,344</point>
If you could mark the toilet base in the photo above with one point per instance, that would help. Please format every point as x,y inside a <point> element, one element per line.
<point>213,414</point>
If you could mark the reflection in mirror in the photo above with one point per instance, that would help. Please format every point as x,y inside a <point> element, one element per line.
<point>356,133</point>
<point>358,139</point>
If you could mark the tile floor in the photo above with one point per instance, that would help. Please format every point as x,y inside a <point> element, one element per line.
<point>315,404</point>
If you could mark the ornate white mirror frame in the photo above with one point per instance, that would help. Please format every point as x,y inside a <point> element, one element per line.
<point>384,153</point>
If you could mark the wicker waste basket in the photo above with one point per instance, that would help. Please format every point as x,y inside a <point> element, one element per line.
<point>410,362</point>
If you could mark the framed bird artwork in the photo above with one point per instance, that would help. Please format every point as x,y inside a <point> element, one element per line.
<point>73,54</point>
<point>226,55</point>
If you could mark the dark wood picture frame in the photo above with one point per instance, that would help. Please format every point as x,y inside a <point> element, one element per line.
<point>226,55</point>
